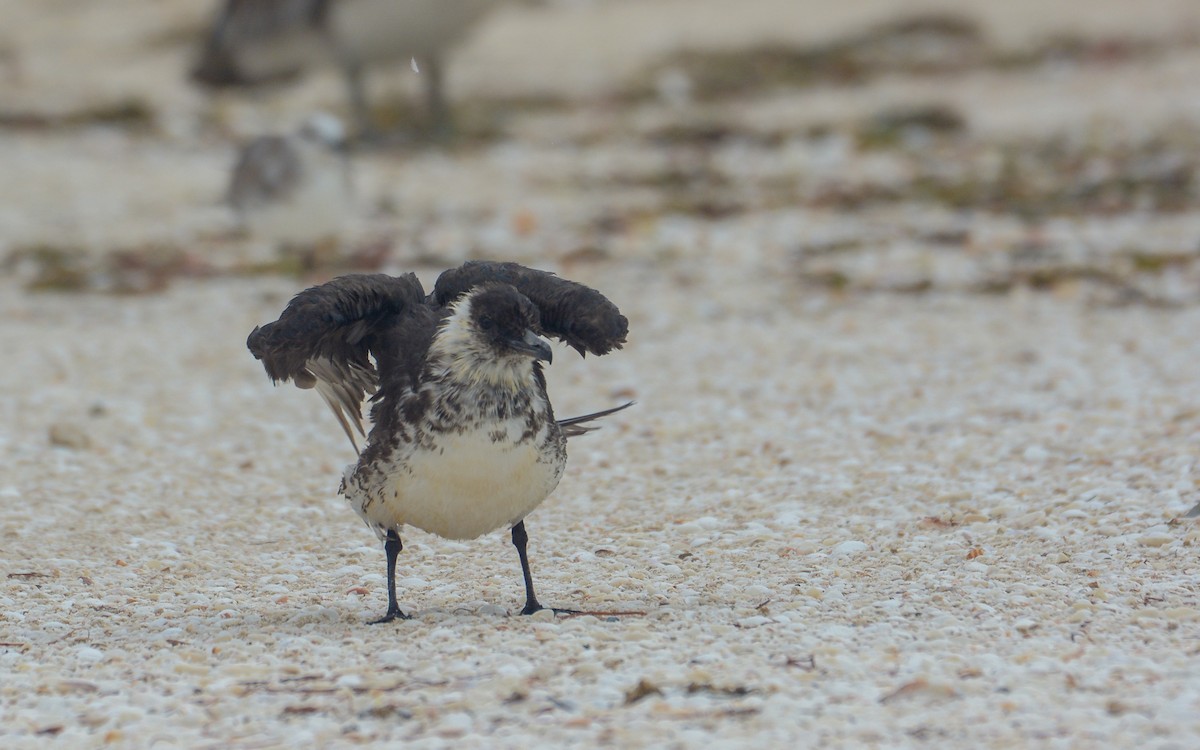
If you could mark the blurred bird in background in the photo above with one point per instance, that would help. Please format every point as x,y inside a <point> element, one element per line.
<point>295,189</point>
<point>255,42</point>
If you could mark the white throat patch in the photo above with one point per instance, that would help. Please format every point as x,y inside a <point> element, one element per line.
<point>468,358</point>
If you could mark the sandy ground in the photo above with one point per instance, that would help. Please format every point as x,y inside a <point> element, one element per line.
<point>899,508</point>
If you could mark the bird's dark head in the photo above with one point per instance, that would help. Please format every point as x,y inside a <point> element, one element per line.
<point>508,322</point>
<point>492,335</point>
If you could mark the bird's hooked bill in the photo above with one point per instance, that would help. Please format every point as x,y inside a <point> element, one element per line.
<point>533,345</point>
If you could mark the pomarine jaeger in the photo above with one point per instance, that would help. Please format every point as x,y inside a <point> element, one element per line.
<point>254,42</point>
<point>464,439</point>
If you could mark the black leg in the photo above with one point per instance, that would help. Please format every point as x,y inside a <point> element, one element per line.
<point>392,548</point>
<point>436,107</point>
<point>357,87</point>
<point>519,540</point>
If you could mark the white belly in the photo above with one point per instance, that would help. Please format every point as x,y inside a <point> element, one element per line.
<point>467,486</point>
<point>368,30</point>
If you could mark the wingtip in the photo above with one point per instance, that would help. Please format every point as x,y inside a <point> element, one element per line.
<point>250,341</point>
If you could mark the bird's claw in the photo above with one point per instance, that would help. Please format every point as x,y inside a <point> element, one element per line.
<point>391,615</point>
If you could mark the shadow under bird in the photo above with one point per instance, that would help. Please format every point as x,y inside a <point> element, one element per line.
<point>255,42</point>
<point>464,439</point>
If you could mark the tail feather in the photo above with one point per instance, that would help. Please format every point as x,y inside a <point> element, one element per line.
<point>574,426</point>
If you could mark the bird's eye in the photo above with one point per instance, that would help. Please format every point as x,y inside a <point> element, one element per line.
<point>486,323</point>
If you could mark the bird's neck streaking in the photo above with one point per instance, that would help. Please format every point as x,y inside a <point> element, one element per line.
<point>461,355</point>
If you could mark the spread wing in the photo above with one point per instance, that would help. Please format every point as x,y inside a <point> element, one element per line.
<point>571,312</point>
<point>327,334</point>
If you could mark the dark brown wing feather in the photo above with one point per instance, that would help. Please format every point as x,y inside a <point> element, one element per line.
<point>327,334</point>
<point>571,312</point>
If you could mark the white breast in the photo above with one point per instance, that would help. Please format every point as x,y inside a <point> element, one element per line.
<point>466,486</point>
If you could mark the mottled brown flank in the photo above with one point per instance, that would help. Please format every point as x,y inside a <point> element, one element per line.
<point>446,406</point>
<point>417,420</point>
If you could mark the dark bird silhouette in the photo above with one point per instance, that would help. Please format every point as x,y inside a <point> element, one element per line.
<point>464,439</point>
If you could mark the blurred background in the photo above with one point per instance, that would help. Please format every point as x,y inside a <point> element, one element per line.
<point>887,146</point>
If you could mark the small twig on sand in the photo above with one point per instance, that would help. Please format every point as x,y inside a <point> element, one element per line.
<point>627,613</point>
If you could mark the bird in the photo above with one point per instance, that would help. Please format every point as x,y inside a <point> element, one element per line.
<point>256,42</point>
<point>463,439</point>
<point>294,189</point>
